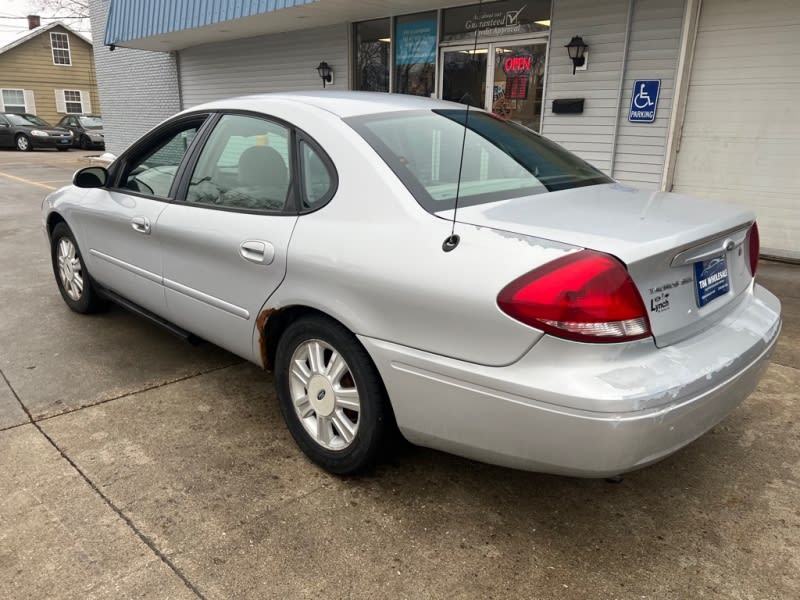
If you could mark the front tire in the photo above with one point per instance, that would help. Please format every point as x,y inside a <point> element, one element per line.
<point>72,278</point>
<point>331,396</point>
<point>23,143</point>
<point>85,143</point>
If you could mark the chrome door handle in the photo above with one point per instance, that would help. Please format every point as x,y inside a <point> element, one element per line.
<point>257,252</point>
<point>141,225</point>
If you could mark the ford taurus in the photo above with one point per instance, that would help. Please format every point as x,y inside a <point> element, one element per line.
<point>404,263</point>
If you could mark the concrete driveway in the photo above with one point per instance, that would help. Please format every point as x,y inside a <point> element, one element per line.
<point>133,465</point>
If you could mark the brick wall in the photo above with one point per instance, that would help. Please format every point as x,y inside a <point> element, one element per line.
<point>138,89</point>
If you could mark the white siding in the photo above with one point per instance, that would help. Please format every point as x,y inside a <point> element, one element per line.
<point>138,89</point>
<point>653,51</point>
<point>602,25</point>
<point>741,133</point>
<point>269,63</point>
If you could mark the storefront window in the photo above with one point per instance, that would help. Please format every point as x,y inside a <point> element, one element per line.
<point>372,49</point>
<point>415,54</point>
<point>494,19</point>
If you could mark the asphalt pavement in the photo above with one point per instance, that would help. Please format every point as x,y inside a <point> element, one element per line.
<point>134,465</point>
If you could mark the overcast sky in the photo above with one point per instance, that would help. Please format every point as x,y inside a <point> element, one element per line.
<point>11,25</point>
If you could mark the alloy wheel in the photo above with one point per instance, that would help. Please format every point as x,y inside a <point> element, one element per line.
<point>324,394</point>
<point>70,269</point>
<point>23,143</point>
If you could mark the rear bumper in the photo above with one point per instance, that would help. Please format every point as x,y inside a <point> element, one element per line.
<point>580,409</point>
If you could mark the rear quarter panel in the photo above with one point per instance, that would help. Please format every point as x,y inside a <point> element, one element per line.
<point>372,258</point>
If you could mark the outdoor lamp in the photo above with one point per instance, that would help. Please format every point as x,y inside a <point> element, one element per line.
<point>576,48</point>
<point>325,72</point>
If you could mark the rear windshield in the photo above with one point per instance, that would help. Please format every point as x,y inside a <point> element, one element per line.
<point>502,160</point>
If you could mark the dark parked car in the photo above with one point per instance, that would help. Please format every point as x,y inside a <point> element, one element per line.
<point>26,132</point>
<point>87,130</point>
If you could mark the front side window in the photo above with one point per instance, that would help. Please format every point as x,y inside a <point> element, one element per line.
<point>59,43</point>
<point>14,101</point>
<point>245,164</point>
<point>72,101</point>
<point>502,160</point>
<point>372,49</point>
<point>151,170</point>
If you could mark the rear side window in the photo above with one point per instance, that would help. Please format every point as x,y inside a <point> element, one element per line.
<point>244,164</point>
<point>318,182</point>
<point>502,160</point>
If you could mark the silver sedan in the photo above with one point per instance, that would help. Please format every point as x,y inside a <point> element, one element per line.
<point>403,264</point>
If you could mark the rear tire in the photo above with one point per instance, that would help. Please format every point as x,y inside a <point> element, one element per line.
<point>72,278</point>
<point>23,143</point>
<point>331,396</point>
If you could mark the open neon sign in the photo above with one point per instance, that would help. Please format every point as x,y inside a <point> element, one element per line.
<point>517,65</point>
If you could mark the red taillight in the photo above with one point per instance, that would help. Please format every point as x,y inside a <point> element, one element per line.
<point>753,248</point>
<point>586,296</point>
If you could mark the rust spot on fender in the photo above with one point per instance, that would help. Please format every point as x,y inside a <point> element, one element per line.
<point>261,325</point>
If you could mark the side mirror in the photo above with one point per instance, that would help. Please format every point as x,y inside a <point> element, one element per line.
<point>90,177</point>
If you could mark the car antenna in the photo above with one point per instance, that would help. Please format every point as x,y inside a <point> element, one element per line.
<point>451,241</point>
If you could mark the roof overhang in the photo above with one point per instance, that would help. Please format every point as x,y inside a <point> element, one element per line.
<point>165,26</point>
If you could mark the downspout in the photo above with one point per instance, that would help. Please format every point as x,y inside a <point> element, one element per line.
<point>177,58</point>
<point>622,70</point>
<point>691,21</point>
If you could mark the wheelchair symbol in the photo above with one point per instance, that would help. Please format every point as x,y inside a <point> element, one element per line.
<point>642,99</point>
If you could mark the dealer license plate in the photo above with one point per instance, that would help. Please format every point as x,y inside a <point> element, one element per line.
<point>711,279</point>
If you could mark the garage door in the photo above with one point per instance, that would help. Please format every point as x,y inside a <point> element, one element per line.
<point>741,135</point>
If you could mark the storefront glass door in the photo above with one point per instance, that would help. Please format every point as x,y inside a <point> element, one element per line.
<point>464,75</point>
<point>518,82</point>
<point>504,77</point>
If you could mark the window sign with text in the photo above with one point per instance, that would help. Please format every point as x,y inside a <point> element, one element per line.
<point>416,42</point>
<point>415,54</point>
<point>495,19</point>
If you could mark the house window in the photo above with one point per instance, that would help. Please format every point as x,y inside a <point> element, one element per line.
<point>72,101</point>
<point>59,43</point>
<point>14,101</point>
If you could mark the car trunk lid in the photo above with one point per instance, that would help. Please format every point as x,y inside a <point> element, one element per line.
<point>687,257</point>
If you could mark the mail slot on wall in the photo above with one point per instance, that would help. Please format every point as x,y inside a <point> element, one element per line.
<point>567,106</point>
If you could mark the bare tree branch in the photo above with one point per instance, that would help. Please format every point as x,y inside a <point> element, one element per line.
<point>68,9</point>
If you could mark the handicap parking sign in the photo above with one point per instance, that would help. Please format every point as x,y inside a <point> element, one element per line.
<point>644,100</point>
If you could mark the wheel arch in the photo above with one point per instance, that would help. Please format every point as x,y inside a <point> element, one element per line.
<point>272,322</point>
<point>54,219</point>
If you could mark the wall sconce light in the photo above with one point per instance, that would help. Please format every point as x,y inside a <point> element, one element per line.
<point>577,48</point>
<point>325,72</point>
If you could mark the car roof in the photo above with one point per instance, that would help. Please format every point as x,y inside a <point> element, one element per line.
<point>341,103</point>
